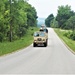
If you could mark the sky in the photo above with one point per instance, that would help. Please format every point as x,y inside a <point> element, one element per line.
<point>46,7</point>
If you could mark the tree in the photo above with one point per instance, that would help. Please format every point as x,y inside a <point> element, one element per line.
<point>54,23</point>
<point>64,13</point>
<point>31,15</point>
<point>49,19</point>
<point>71,23</point>
<point>3,19</point>
<point>15,18</point>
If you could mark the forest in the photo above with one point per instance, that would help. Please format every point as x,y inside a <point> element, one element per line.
<point>16,16</point>
<point>65,19</point>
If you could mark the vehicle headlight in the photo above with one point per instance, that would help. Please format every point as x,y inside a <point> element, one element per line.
<point>34,40</point>
<point>43,39</point>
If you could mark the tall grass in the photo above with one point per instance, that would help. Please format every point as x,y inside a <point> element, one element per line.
<point>69,42</point>
<point>9,47</point>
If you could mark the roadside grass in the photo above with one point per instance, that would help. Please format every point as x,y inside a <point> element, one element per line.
<point>9,47</point>
<point>70,43</point>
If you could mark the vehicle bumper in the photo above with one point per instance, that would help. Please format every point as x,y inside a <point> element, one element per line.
<point>39,42</point>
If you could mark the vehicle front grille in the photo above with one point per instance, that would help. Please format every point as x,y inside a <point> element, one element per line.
<point>39,39</point>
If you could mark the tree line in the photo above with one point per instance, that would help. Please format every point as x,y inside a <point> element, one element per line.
<point>16,16</point>
<point>65,19</point>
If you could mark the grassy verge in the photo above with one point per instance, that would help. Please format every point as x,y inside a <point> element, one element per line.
<point>9,47</point>
<point>68,41</point>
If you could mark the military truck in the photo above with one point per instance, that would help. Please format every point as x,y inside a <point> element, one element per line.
<point>40,38</point>
<point>43,28</point>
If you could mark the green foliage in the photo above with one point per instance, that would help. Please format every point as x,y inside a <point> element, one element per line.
<point>70,24</point>
<point>66,20</point>
<point>69,42</point>
<point>9,47</point>
<point>64,13</point>
<point>54,23</point>
<point>69,35</point>
<point>16,16</point>
<point>72,36</point>
<point>1,37</point>
<point>49,19</point>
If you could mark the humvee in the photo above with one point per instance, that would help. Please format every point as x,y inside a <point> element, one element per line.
<point>40,38</point>
<point>43,28</point>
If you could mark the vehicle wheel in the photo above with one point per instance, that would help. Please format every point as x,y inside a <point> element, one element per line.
<point>34,44</point>
<point>45,44</point>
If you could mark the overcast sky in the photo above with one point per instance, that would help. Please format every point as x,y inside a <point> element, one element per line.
<point>46,7</point>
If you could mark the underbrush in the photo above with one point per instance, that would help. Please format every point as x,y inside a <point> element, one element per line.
<point>9,47</point>
<point>67,37</point>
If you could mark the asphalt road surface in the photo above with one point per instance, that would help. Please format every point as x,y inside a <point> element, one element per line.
<point>53,59</point>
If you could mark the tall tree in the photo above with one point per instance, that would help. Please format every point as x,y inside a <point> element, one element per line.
<point>64,13</point>
<point>49,19</point>
<point>54,23</point>
<point>15,18</point>
<point>4,20</point>
<point>71,23</point>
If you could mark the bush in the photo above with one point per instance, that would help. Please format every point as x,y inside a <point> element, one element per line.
<point>65,34</point>
<point>72,36</point>
<point>1,37</point>
<point>15,37</point>
<point>68,34</point>
<point>21,32</point>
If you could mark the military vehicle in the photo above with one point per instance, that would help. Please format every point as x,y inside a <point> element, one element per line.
<point>43,28</point>
<point>40,38</point>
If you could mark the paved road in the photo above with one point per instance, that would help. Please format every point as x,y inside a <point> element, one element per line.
<point>54,59</point>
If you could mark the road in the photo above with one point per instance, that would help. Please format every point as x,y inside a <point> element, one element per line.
<point>53,59</point>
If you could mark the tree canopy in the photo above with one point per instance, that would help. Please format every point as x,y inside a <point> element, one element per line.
<point>49,19</point>
<point>64,13</point>
<point>15,18</point>
<point>65,19</point>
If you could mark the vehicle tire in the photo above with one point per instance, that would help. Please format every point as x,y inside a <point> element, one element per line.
<point>45,44</point>
<point>34,44</point>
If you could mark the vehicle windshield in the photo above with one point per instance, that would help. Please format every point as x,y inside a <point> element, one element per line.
<point>36,34</point>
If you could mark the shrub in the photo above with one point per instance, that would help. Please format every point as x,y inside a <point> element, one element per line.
<point>68,34</point>
<point>1,37</point>
<point>65,34</point>
<point>73,36</point>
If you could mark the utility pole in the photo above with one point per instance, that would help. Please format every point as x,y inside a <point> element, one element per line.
<point>10,37</point>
